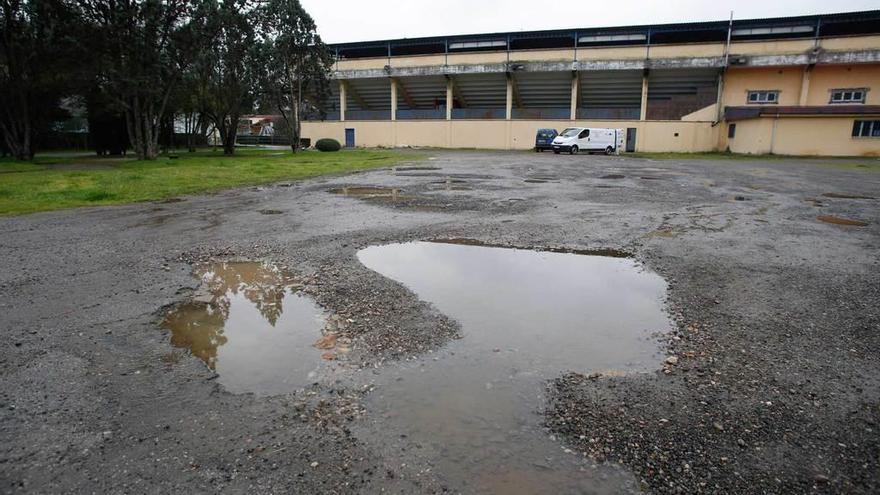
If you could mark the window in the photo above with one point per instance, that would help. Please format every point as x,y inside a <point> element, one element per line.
<point>763,97</point>
<point>771,30</point>
<point>731,131</point>
<point>464,45</point>
<point>851,95</point>
<point>585,133</point>
<point>866,128</point>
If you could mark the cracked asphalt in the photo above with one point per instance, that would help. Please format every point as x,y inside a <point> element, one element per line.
<point>771,385</point>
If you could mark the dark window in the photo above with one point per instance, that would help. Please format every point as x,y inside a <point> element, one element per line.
<point>584,133</point>
<point>763,97</point>
<point>731,131</point>
<point>856,95</point>
<point>866,128</point>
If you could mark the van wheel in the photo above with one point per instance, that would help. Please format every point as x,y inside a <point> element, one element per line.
<point>573,150</point>
<point>609,150</point>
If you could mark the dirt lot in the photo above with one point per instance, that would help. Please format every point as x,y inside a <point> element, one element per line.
<point>772,386</point>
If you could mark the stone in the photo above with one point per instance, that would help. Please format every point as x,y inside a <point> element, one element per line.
<point>672,360</point>
<point>326,342</point>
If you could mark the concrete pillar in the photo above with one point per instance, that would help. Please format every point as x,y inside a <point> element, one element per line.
<point>575,84</point>
<point>805,86</point>
<point>342,100</point>
<point>449,99</point>
<point>393,100</point>
<point>509,112</point>
<point>643,112</point>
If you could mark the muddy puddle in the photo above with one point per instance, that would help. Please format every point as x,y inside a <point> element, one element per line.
<point>379,195</point>
<point>472,412</point>
<point>248,323</point>
<point>841,221</point>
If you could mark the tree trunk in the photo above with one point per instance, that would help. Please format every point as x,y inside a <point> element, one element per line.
<point>228,131</point>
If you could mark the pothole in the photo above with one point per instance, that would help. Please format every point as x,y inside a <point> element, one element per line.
<point>613,176</point>
<point>841,221</point>
<point>374,194</point>
<point>846,196</point>
<point>270,212</point>
<point>249,323</point>
<point>413,168</point>
<point>526,316</point>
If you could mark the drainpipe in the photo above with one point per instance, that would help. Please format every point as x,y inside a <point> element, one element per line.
<point>773,134</point>
<point>718,109</point>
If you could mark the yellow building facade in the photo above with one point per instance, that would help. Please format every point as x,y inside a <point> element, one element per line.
<point>795,86</point>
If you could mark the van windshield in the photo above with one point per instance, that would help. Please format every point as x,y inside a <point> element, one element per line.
<point>571,132</point>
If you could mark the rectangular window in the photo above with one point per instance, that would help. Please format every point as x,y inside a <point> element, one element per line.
<point>731,131</point>
<point>763,97</point>
<point>850,95</point>
<point>866,128</point>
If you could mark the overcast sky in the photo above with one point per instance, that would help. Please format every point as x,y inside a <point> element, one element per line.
<point>365,20</point>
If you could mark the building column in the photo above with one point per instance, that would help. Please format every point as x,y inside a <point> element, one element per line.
<point>805,85</point>
<point>643,111</point>
<point>342,100</point>
<point>393,99</point>
<point>449,99</point>
<point>575,84</point>
<point>509,111</point>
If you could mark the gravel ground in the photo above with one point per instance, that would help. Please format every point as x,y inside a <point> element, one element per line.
<point>771,385</point>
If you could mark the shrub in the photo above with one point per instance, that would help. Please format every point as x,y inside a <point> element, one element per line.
<point>327,144</point>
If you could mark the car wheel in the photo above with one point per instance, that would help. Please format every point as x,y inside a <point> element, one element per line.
<point>573,150</point>
<point>555,152</point>
<point>609,150</point>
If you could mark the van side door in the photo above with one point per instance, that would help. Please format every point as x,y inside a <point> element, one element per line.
<point>584,139</point>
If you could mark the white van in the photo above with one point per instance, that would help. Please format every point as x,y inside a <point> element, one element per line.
<point>575,139</point>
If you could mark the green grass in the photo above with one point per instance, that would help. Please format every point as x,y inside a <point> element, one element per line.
<point>33,187</point>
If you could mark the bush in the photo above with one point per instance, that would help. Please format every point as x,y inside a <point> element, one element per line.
<point>327,144</point>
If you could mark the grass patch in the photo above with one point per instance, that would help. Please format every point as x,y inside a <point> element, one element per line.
<point>36,188</point>
<point>8,167</point>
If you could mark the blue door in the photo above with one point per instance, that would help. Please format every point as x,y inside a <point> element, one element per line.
<point>349,138</point>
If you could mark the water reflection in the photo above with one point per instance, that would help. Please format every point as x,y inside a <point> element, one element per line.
<point>249,325</point>
<point>526,316</point>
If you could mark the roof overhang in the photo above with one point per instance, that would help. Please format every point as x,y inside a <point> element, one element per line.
<point>754,112</point>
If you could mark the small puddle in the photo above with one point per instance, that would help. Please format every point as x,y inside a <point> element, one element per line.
<point>613,176</point>
<point>841,221</point>
<point>846,196</point>
<point>249,325</point>
<point>414,168</point>
<point>473,409</point>
<point>374,194</point>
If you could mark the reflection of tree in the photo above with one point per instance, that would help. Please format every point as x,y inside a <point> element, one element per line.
<point>262,284</point>
<point>199,327</point>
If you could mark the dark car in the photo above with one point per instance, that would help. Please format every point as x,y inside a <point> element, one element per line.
<point>544,139</point>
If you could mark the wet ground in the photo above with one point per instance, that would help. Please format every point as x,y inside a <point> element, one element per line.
<point>749,364</point>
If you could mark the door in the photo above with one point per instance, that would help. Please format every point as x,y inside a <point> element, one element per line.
<point>349,138</point>
<point>631,139</point>
<point>584,140</point>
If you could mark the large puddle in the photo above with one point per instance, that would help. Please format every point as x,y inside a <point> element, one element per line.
<point>250,326</point>
<point>473,410</point>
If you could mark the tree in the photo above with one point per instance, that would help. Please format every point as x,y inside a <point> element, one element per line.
<point>228,66</point>
<point>141,48</point>
<point>33,45</point>
<point>296,63</point>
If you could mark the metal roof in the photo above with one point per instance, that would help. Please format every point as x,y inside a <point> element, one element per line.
<point>837,24</point>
